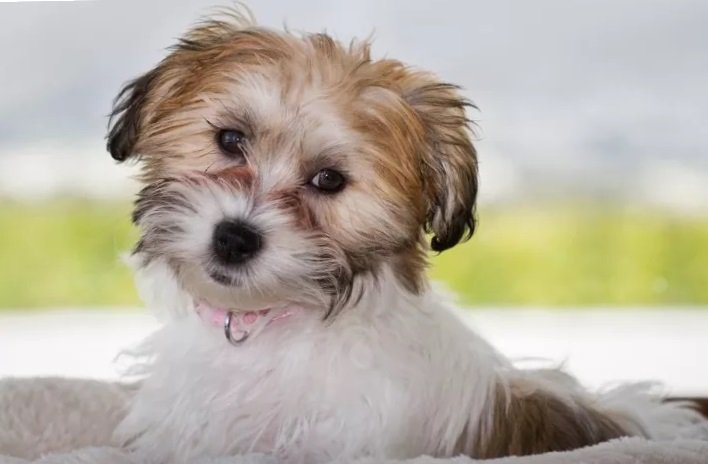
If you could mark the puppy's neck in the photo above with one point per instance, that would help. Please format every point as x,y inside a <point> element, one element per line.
<point>239,326</point>
<point>161,291</point>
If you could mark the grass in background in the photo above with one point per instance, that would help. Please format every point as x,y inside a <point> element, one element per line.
<point>581,255</point>
<point>67,253</point>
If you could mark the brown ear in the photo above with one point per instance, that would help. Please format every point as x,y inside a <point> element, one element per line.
<point>127,116</point>
<point>449,161</point>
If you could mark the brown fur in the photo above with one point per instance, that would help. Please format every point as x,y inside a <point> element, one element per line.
<point>530,420</point>
<point>241,175</point>
<point>293,201</point>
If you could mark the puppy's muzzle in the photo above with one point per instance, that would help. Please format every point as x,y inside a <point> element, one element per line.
<point>235,242</point>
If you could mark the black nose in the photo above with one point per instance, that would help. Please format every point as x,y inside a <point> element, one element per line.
<point>235,242</point>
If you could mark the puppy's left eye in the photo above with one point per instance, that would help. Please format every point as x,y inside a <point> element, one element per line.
<point>231,142</point>
<point>328,180</point>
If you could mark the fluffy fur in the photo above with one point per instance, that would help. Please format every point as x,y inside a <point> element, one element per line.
<point>378,365</point>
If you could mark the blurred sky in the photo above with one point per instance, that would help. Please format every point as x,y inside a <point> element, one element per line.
<point>606,98</point>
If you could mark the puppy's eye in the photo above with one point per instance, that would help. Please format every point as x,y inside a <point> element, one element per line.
<point>231,142</point>
<point>328,180</point>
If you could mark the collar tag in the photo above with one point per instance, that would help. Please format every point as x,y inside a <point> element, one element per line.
<point>239,326</point>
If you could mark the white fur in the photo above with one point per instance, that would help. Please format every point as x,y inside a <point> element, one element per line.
<point>396,376</point>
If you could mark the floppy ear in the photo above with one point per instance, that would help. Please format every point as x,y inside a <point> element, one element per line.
<point>127,116</point>
<point>449,161</point>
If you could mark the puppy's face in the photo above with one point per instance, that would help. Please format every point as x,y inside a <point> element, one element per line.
<point>283,168</point>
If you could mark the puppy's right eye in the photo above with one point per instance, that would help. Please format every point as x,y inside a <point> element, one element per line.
<point>231,142</point>
<point>328,180</point>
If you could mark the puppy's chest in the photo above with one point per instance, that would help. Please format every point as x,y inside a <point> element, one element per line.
<point>310,399</point>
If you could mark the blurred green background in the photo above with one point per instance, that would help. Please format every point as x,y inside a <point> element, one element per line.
<point>67,253</point>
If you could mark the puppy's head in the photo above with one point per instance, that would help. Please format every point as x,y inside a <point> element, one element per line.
<point>282,167</point>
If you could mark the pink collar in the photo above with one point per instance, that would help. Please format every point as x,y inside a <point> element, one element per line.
<point>240,325</point>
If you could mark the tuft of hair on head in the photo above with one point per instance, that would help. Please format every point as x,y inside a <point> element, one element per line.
<point>217,26</point>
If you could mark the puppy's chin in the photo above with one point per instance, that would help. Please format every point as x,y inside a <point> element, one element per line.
<point>239,290</point>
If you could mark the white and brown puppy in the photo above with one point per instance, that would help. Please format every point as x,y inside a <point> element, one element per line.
<point>290,185</point>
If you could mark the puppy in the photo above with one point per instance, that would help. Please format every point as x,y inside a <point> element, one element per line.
<point>293,189</point>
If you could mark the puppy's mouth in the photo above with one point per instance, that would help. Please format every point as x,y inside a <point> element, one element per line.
<point>227,277</point>
<point>221,278</point>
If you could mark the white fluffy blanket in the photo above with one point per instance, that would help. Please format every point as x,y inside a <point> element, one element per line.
<point>40,416</point>
<point>622,451</point>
